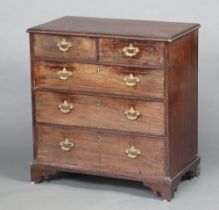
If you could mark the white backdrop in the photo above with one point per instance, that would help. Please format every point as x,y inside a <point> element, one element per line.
<point>15,106</point>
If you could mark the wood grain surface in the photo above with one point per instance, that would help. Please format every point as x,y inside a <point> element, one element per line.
<point>108,115</point>
<point>166,96</point>
<point>101,151</point>
<point>150,53</point>
<point>109,79</point>
<point>183,101</point>
<point>82,48</point>
<point>106,27</point>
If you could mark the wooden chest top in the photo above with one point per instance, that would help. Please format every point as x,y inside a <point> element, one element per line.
<point>116,28</point>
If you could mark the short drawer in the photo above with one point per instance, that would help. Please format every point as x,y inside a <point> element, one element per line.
<point>115,51</point>
<point>100,112</point>
<point>67,146</point>
<point>133,155</point>
<point>64,47</point>
<point>101,151</point>
<point>100,79</point>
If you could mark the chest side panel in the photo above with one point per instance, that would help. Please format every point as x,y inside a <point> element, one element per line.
<point>182,101</point>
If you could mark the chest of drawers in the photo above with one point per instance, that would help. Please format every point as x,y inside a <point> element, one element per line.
<point>115,98</point>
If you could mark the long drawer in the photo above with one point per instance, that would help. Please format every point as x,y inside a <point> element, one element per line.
<point>101,151</point>
<point>100,112</point>
<point>99,79</point>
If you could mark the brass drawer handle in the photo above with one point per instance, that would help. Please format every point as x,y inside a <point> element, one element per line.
<point>131,80</point>
<point>65,107</point>
<point>64,74</point>
<point>130,51</point>
<point>64,46</point>
<point>132,114</point>
<point>132,152</point>
<point>66,145</point>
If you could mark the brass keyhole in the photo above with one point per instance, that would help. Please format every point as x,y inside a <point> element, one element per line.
<point>99,138</point>
<point>98,72</point>
<point>98,102</point>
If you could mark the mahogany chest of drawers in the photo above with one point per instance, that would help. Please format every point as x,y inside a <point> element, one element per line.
<point>115,98</point>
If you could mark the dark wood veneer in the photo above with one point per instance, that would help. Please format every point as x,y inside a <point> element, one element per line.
<point>166,96</point>
<point>85,78</point>
<point>151,53</point>
<point>116,28</point>
<point>108,114</point>
<point>183,101</point>
<point>101,151</point>
<point>82,48</point>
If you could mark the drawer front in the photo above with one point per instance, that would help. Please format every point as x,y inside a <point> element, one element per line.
<point>132,155</point>
<point>64,47</point>
<point>66,146</point>
<point>100,112</point>
<point>135,54</point>
<point>101,79</point>
<point>101,151</point>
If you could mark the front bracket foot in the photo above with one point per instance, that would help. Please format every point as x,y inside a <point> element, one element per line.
<point>39,174</point>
